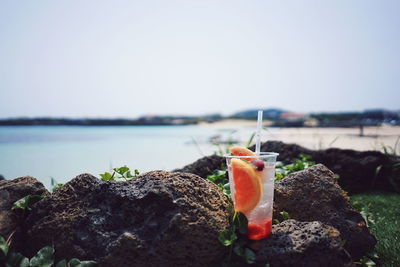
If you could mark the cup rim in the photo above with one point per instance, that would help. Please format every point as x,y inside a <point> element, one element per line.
<point>262,155</point>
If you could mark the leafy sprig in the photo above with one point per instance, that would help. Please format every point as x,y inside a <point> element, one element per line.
<point>364,210</point>
<point>26,202</point>
<point>235,238</point>
<point>369,260</point>
<point>43,258</point>
<point>118,174</point>
<point>220,178</point>
<point>299,164</point>
<point>55,185</point>
<point>283,216</point>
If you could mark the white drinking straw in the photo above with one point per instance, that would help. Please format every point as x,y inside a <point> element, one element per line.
<point>258,133</point>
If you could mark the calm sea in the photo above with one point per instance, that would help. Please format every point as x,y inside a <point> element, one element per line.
<point>62,152</point>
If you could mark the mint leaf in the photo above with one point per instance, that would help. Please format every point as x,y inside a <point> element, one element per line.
<point>44,257</point>
<point>227,237</point>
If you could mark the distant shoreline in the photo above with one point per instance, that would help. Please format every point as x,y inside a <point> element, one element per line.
<point>271,119</point>
<point>97,122</point>
<point>220,124</point>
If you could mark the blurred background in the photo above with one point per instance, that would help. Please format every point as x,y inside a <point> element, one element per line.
<point>86,86</point>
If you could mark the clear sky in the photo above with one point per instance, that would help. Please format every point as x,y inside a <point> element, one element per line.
<point>129,58</point>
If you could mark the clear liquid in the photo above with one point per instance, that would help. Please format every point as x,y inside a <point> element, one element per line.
<point>260,217</point>
<point>263,210</point>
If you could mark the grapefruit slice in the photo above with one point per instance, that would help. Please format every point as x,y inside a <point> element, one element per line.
<point>242,151</point>
<point>248,186</point>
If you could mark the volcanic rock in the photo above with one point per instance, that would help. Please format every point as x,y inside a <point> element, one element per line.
<point>314,195</point>
<point>159,219</point>
<point>11,191</point>
<point>359,171</point>
<point>287,152</point>
<point>308,244</point>
<point>204,166</point>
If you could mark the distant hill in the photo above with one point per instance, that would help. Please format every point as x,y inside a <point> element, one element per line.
<point>371,117</point>
<point>271,114</point>
<point>284,118</point>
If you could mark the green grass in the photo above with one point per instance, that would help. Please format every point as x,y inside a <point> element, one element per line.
<point>383,212</point>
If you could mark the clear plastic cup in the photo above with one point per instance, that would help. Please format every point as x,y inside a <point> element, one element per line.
<point>260,217</point>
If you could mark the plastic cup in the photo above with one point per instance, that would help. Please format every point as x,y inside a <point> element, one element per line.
<point>260,217</point>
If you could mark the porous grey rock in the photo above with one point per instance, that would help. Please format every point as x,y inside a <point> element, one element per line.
<point>359,171</point>
<point>11,191</point>
<point>314,195</point>
<point>308,244</point>
<point>204,166</point>
<point>287,152</point>
<point>159,219</point>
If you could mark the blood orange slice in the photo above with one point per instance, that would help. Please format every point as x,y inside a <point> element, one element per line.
<point>248,186</point>
<point>242,151</point>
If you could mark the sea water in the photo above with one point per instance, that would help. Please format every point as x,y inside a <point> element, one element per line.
<point>62,152</point>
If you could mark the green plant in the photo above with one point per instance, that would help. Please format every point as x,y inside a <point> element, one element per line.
<point>43,258</point>
<point>391,171</point>
<point>235,238</point>
<point>283,216</point>
<point>21,208</point>
<point>75,263</point>
<point>223,148</point>
<point>11,259</point>
<point>121,173</point>
<point>220,178</point>
<point>369,260</point>
<point>391,150</point>
<point>26,202</point>
<point>364,210</point>
<point>299,164</point>
<point>251,139</point>
<point>54,185</point>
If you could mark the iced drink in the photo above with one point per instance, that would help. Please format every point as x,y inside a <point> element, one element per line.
<point>251,180</point>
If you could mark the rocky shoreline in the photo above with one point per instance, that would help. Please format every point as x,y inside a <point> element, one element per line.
<point>359,171</point>
<point>174,218</point>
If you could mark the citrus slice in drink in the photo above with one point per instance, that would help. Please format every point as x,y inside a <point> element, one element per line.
<point>248,186</point>
<point>242,151</point>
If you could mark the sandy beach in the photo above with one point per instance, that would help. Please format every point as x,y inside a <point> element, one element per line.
<point>375,138</point>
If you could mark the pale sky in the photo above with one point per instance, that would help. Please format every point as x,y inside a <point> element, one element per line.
<point>129,58</point>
